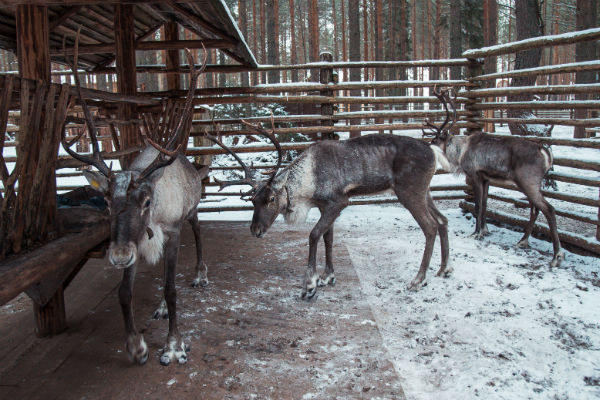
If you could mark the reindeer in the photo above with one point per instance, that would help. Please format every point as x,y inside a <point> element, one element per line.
<point>148,203</point>
<point>327,174</point>
<point>484,159</point>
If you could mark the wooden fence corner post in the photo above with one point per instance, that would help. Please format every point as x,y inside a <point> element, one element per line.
<point>326,77</point>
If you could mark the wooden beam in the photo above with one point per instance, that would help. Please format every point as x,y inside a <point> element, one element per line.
<point>198,22</point>
<point>63,16</point>
<point>172,59</point>
<point>126,76</point>
<point>146,46</point>
<point>25,270</point>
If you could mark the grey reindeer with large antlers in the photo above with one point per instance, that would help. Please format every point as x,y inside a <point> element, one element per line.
<point>328,173</point>
<point>148,203</point>
<point>485,158</point>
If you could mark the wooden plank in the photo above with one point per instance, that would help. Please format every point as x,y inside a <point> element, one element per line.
<point>126,77</point>
<point>565,237</point>
<point>532,43</point>
<point>172,60</point>
<point>145,46</point>
<point>24,270</point>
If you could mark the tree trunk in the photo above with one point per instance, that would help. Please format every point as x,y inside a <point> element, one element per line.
<point>529,24</point>
<point>586,15</point>
<point>490,38</point>
<point>366,38</point>
<point>354,38</point>
<point>272,14</point>
<point>243,22</point>
<point>293,54</point>
<point>254,40</point>
<point>455,36</point>
<point>313,39</point>
<point>263,40</point>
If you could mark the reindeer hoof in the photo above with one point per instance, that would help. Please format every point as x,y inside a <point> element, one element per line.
<point>445,271</point>
<point>174,350</point>
<point>200,282</point>
<point>161,311</point>
<point>326,279</point>
<point>522,244</point>
<point>137,349</point>
<point>416,284</point>
<point>557,259</point>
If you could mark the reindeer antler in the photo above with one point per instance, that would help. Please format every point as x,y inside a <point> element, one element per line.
<point>96,159</point>
<point>272,138</point>
<point>166,156</point>
<point>444,97</point>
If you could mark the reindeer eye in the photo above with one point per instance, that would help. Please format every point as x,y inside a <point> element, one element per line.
<point>272,199</point>
<point>147,203</point>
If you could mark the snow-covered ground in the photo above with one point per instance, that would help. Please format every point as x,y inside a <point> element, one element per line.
<point>502,326</point>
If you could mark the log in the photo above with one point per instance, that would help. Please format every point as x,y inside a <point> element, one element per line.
<point>23,270</point>
<point>545,89</point>
<point>566,237</point>
<point>584,143</point>
<point>551,69</point>
<point>146,46</point>
<point>554,195</point>
<point>532,43</point>
<point>539,105</point>
<point>544,121</point>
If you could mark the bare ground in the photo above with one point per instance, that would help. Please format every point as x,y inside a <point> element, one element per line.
<point>250,334</point>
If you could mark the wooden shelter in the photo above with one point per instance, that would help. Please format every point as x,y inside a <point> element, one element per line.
<point>110,33</point>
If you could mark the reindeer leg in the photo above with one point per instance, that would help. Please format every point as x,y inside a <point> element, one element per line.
<point>443,232</point>
<point>478,188</point>
<point>328,216</point>
<point>201,269</point>
<point>485,185</point>
<point>161,311</point>
<point>175,349</point>
<point>537,200</point>
<point>137,349</point>
<point>533,214</point>
<point>417,205</point>
<point>328,276</point>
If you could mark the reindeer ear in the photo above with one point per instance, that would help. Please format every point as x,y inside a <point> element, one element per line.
<point>280,180</point>
<point>97,180</point>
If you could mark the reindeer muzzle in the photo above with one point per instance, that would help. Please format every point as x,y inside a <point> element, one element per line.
<point>122,256</point>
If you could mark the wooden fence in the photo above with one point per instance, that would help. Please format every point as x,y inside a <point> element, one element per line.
<point>330,108</point>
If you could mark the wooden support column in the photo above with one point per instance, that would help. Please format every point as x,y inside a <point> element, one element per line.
<point>172,62</point>
<point>33,52</point>
<point>126,76</point>
<point>326,77</point>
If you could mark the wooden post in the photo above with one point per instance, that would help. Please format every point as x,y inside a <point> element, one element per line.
<point>33,52</point>
<point>172,62</point>
<point>126,76</point>
<point>326,77</point>
<point>598,226</point>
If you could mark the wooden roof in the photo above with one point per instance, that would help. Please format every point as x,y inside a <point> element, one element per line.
<point>209,19</point>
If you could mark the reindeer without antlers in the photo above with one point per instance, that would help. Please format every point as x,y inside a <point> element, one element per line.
<point>485,159</point>
<point>148,204</point>
<point>328,173</point>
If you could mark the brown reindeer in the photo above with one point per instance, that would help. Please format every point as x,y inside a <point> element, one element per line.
<point>148,203</point>
<point>484,159</point>
<point>328,173</point>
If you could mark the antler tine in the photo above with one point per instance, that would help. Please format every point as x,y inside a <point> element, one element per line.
<point>187,108</point>
<point>161,161</point>
<point>96,160</point>
<point>273,139</point>
<point>451,94</point>
<point>247,174</point>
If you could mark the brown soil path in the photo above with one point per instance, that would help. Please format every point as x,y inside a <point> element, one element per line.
<point>250,334</point>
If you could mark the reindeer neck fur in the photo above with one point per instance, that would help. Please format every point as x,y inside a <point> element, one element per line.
<point>298,183</point>
<point>450,157</point>
<point>176,192</point>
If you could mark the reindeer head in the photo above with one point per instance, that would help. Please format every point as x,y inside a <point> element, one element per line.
<point>268,197</point>
<point>130,194</point>
<point>441,134</point>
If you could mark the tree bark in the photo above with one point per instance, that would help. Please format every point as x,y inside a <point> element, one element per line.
<point>313,38</point>
<point>243,22</point>
<point>354,38</point>
<point>586,17</point>
<point>529,24</point>
<point>455,36</point>
<point>272,13</point>
<point>490,38</point>
<point>293,54</point>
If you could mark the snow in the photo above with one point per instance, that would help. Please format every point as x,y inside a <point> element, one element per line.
<point>502,326</point>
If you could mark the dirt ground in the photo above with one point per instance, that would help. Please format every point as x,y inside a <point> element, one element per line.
<point>250,334</point>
